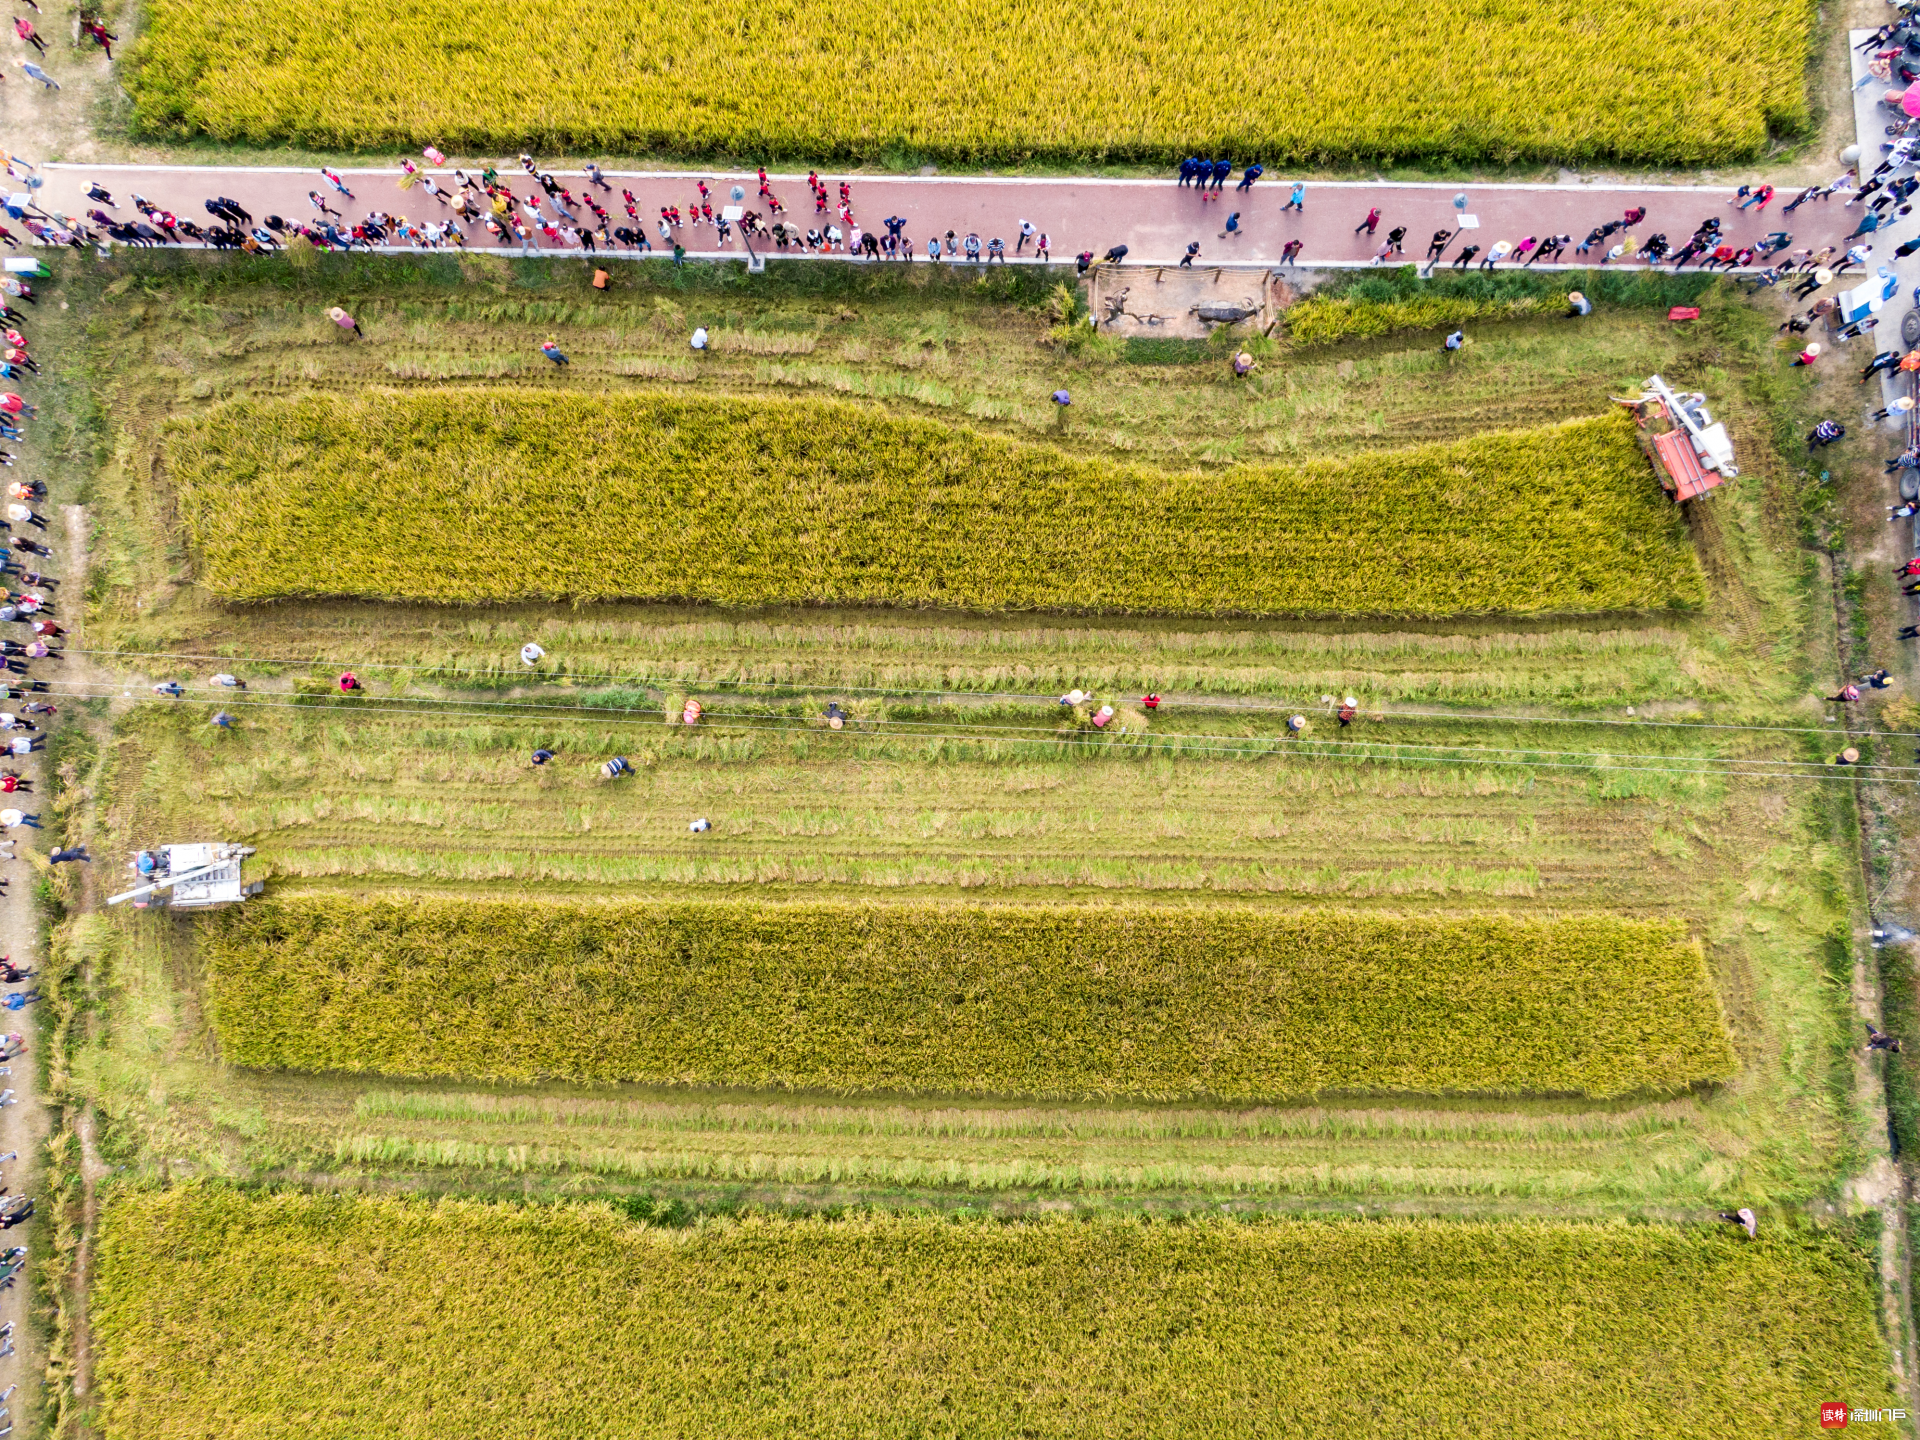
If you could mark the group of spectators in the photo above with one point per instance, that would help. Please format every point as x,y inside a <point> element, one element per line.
<point>543,213</point>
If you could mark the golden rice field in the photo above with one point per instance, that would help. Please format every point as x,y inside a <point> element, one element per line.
<point>1682,83</point>
<point>1050,1001</point>
<point>220,1313</point>
<point>485,495</point>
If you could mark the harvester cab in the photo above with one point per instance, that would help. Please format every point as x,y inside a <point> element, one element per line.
<point>189,877</point>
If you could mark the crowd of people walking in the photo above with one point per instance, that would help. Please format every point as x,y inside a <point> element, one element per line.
<point>528,209</point>
<point>542,214</point>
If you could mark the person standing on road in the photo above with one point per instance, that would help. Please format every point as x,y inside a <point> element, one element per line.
<point>1186,260</point>
<point>1437,246</point>
<point>1297,200</point>
<point>1371,223</point>
<point>1221,170</point>
<point>1249,175</point>
<point>1869,223</point>
<point>1290,252</point>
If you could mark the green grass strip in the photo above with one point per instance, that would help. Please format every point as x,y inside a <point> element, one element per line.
<point>1356,304</point>
<point>222,1313</point>
<point>981,1000</point>
<point>475,495</point>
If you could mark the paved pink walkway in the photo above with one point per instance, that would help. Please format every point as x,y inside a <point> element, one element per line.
<point>1155,219</point>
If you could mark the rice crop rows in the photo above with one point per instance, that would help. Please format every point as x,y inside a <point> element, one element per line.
<point>1667,83</point>
<point>476,495</point>
<point>984,1000</point>
<point>221,1313</point>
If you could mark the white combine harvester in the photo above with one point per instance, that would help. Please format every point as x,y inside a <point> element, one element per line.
<point>189,877</point>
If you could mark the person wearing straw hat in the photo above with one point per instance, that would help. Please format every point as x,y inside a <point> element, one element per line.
<point>344,320</point>
<point>1808,355</point>
<point>1578,305</point>
<point>1349,709</point>
<point>1848,756</point>
<point>1894,408</point>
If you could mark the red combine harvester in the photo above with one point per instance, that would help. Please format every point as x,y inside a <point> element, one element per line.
<point>1689,448</point>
